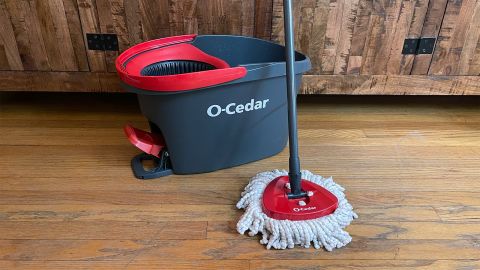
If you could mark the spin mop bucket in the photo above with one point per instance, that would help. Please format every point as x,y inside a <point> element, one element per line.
<point>212,101</point>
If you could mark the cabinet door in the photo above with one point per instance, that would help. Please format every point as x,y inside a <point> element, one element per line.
<point>458,47</point>
<point>41,35</point>
<point>360,36</point>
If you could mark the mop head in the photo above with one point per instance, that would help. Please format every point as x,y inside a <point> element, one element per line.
<point>327,231</point>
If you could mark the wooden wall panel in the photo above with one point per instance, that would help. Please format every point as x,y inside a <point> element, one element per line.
<point>431,27</point>
<point>183,17</point>
<point>409,25</point>
<point>457,49</point>
<point>112,19</point>
<point>132,21</point>
<point>56,35</point>
<point>344,28</point>
<point>469,63</point>
<point>311,19</point>
<point>263,19</point>
<point>50,35</point>
<point>28,34</point>
<point>359,36</point>
<point>89,20</point>
<point>136,21</point>
<point>166,18</point>
<point>388,28</point>
<point>76,34</point>
<point>9,54</point>
<point>338,36</point>
<point>43,35</point>
<point>226,17</point>
<point>247,19</point>
<point>236,17</point>
<point>155,18</point>
<point>380,30</point>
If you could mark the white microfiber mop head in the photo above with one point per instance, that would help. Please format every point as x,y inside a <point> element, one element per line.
<point>327,231</point>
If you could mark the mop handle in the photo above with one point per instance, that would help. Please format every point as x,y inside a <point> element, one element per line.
<point>294,161</point>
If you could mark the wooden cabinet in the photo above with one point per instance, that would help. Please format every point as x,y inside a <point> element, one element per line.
<point>355,45</point>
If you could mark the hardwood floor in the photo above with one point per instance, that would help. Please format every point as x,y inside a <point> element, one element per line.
<point>68,200</point>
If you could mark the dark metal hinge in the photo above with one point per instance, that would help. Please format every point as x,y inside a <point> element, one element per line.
<point>419,45</point>
<point>102,42</point>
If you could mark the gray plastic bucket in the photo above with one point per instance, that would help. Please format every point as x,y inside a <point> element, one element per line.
<point>228,124</point>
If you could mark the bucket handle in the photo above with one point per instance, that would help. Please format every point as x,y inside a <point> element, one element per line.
<point>150,45</point>
<point>179,82</point>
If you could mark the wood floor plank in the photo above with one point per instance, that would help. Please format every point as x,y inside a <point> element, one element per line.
<point>231,182</point>
<point>353,178</point>
<point>462,213</point>
<point>460,127</point>
<point>156,212</point>
<point>378,229</point>
<point>92,154</point>
<point>245,249</point>
<point>105,230</point>
<point>113,161</point>
<point>105,136</point>
<point>326,117</point>
<point>244,264</point>
<point>395,173</point>
<point>119,197</point>
<point>129,265</point>
<point>364,264</point>
<point>102,195</point>
<point>121,213</point>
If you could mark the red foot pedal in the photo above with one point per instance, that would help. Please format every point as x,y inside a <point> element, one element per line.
<point>147,142</point>
<point>276,204</point>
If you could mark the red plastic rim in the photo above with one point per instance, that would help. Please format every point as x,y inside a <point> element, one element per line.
<point>277,205</point>
<point>131,62</point>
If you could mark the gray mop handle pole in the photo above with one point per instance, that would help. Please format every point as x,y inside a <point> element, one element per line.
<point>294,161</point>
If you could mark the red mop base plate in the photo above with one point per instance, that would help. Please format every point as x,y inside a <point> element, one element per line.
<point>276,204</point>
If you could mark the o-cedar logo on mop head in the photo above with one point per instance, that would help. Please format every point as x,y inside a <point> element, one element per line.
<point>233,108</point>
<point>304,209</point>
